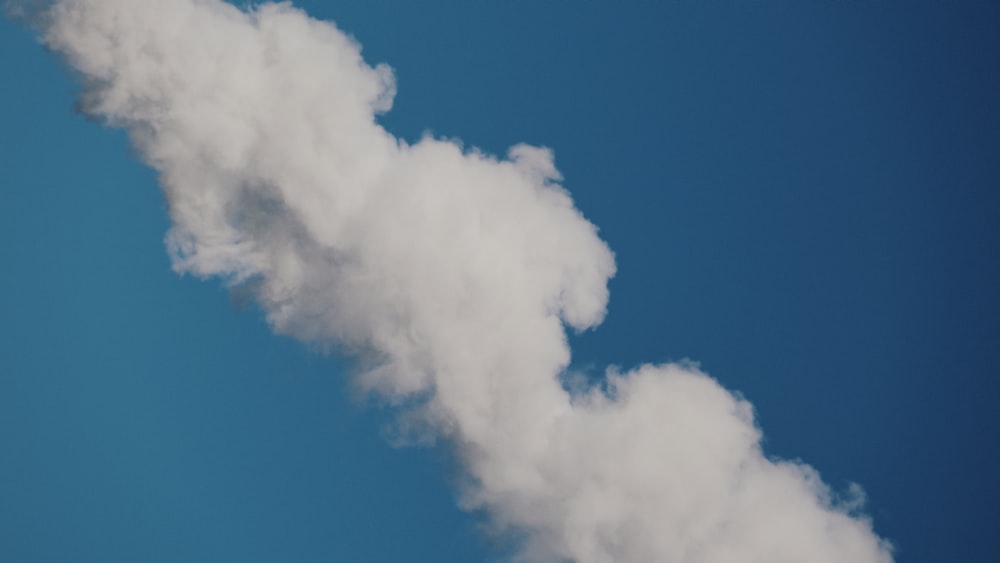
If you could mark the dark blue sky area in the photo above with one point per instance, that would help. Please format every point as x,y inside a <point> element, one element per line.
<point>801,196</point>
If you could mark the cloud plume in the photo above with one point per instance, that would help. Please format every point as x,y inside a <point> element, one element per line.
<point>449,275</point>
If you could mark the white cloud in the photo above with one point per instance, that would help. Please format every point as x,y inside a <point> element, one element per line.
<point>449,274</point>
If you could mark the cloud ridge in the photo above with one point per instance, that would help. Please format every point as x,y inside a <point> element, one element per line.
<point>450,275</point>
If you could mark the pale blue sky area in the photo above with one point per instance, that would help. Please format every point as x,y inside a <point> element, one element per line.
<point>801,196</point>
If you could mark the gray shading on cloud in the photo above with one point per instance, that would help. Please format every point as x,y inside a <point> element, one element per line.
<point>450,275</point>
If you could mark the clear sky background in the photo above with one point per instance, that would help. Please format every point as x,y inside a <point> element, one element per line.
<point>803,197</point>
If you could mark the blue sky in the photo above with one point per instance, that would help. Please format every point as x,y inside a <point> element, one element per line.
<point>801,198</point>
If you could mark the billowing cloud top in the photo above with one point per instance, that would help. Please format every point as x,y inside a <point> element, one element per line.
<point>450,275</point>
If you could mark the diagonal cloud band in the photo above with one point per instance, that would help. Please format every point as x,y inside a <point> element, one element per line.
<point>449,274</point>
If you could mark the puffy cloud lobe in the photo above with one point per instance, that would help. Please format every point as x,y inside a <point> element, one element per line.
<point>449,274</point>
